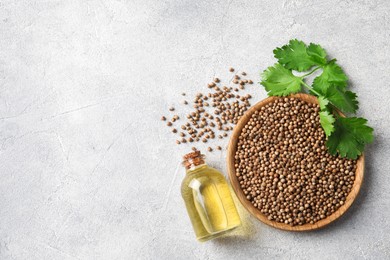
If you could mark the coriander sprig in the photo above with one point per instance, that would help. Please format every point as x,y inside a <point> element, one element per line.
<point>347,136</point>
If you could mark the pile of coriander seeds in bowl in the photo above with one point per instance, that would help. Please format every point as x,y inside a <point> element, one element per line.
<point>280,168</point>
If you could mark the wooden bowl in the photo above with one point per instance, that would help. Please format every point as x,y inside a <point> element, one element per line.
<point>253,210</point>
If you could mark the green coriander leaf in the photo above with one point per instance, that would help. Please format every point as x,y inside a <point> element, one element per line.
<point>323,102</point>
<point>294,56</point>
<point>345,136</point>
<point>332,74</point>
<point>344,100</point>
<point>350,137</point>
<point>317,54</point>
<point>279,81</point>
<point>327,121</point>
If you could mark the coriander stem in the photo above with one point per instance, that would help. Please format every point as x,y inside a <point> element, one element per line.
<point>311,72</point>
<point>318,95</point>
<point>310,88</point>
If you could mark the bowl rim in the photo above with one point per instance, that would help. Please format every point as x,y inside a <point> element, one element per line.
<point>359,174</point>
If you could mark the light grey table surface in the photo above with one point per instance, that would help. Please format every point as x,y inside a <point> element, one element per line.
<point>87,169</point>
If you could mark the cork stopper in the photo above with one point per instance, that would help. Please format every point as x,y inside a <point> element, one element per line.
<point>193,159</point>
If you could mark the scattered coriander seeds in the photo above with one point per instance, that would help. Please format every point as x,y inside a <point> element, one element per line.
<point>171,109</point>
<point>284,168</point>
<point>163,118</point>
<point>209,149</point>
<point>231,69</point>
<point>219,147</point>
<point>200,123</point>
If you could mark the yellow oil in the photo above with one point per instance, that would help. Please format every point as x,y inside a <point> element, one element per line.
<point>209,203</point>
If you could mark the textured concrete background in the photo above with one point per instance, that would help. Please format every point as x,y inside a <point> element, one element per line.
<point>87,170</point>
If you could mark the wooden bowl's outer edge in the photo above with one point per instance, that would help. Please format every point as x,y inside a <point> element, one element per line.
<point>254,211</point>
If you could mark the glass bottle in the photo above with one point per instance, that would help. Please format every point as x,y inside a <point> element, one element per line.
<point>208,200</point>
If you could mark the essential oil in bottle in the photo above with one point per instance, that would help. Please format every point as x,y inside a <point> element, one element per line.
<point>208,200</point>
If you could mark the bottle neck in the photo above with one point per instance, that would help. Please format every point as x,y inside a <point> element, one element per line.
<point>194,168</point>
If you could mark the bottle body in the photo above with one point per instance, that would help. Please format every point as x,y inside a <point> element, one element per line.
<point>209,202</point>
